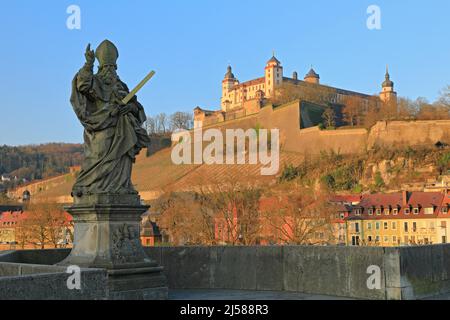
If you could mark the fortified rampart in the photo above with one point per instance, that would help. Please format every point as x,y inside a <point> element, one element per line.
<point>313,141</point>
<point>409,133</point>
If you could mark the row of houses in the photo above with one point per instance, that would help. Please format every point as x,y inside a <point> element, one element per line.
<point>394,219</point>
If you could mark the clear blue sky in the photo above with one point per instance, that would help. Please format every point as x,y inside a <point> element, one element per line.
<point>190,43</point>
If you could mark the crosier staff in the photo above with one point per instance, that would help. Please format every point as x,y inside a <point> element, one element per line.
<point>123,103</point>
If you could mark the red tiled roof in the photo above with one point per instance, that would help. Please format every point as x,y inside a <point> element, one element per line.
<point>11,218</point>
<point>250,83</point>
<point>400,201</point>
<point>381,200</point>
<point>426,199</point>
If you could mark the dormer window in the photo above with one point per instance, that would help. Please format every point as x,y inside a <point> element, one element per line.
<point>407,211</point>
<point>395,212</point>
<point>416,210</point>
<point>444,210</point>
<point>378,211</point>
<point>386,212</point>
<point>370,211</point>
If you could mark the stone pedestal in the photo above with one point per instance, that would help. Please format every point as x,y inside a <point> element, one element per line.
<point>106,236</point>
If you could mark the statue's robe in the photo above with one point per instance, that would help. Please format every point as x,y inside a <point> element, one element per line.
<point>111,141</point>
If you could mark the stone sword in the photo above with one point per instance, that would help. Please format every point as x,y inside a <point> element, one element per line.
<point>138,87</point>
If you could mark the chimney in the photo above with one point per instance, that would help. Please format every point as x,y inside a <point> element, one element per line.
<point>295,75</point>
<point>405,198</point>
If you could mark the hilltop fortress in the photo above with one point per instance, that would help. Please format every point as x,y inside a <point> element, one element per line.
<point>253,104</point>
<point>243,99</point>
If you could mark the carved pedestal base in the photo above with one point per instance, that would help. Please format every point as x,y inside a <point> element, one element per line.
<point>107,236</point>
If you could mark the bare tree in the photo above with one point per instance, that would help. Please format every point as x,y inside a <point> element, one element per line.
<point>161,122</point>
<point>185,219</point>
<point>353,110</point>
<point>45,224</point>
<point>150,125</point>
<point>407,109</point>
<point>444,98</point>
<point>329,117</point>
<point>300,218</point>
<point>236,208</point>
<point>181,120</point>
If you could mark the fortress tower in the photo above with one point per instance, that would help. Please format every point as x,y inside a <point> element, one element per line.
<point>388,94</point>
<point>273,76</point>
<point>312,77</point>
<point>228,83</point>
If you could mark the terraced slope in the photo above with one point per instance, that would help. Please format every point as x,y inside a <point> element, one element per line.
<point>152,175</point>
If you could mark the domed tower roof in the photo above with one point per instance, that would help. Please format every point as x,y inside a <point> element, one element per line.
<point>229,74</point>
<point>387,82</point>
<point>312,74</point>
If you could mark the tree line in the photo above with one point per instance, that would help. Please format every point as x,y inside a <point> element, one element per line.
<point>47,225</point>
<point>233,214</point>
<point>162,123</point>
<point>38,161</point>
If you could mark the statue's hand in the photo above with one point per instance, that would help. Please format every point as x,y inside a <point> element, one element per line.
<point>127,109</point>
<point>115,111</point>
<point>89,55</point>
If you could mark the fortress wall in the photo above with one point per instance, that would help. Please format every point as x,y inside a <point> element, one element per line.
<point>410,133</point>
<point>311,140</point>
<point>345,141</point>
